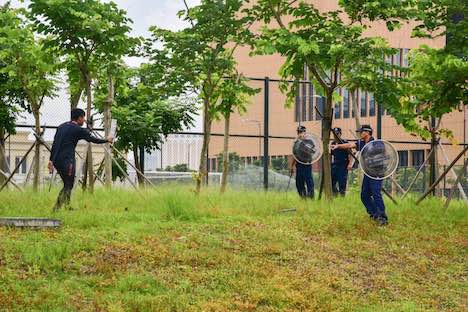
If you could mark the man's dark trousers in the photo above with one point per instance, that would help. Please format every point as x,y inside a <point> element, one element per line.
<point>371,197</point>
<point>339,179</point>
<point>66,171</point>
<point>304,180</point>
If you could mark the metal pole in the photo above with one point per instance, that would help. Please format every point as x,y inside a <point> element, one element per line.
<point>432,175</point>
<point>207,164</point>
<point>266,120</point>
<point>259,139</point>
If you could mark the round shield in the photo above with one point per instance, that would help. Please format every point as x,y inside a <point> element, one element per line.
<point>307,150</point>
<point>378,159</point>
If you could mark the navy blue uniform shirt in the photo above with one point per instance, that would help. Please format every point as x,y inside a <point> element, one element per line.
<point>361,143</point>
<point>66,138</point>
<point>340,156</point>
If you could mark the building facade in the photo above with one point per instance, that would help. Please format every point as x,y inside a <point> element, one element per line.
<point>283,120</point>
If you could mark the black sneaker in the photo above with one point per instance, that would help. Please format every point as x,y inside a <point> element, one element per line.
<point>382,221</point>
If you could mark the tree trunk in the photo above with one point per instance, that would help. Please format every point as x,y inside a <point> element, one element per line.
<point>75,98</point>
<point>202,170</point>
<point>136,158</point>
<point>107,128</point>
<point>89,106</point>
<point>85,175</point>
<point>37,151</point>
<point>224,177</point>
<point>355,102</point>
<point>357,121</point>
<point>326,157</point>
<point>3,165</point>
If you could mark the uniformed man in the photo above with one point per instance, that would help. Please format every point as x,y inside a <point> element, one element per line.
<point>62,155</point>
<point>304,179</point>
<point>341,163</point>
<point>371,195</point>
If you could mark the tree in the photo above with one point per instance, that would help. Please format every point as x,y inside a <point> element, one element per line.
<point>323,42</point>
<point>87,31</point>
<point>28,61</point>
<point>201,56</point>
<point>11,101</point>
<point>437,80</point>
<point>234,161</point>
<point>145,119</point>
<point>109,74</point>
<point>235,94</point>
<point>178,168</point>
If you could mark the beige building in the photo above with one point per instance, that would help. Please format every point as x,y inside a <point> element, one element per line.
<point>283,121</point>
<point>17,145</point>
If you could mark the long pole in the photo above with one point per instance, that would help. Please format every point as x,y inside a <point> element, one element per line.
<point>266,121</point>
<point>17,167</point>
<point>458,180</point>
<point>460,187</point>
<point>442,176</point>
<point>417,174</point>
<point>125,159</point>
<point>5,175</point>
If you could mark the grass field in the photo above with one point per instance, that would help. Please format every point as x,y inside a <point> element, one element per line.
<point>170,250</point>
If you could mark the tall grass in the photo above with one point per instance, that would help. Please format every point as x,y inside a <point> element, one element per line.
<point>171,250</point>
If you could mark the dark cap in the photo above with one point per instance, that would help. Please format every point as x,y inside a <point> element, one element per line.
<point>301,129</point>
<point>337,129</point>
<point>367,128</point>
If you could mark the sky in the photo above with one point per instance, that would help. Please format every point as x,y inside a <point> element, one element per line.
<point>144,13</point>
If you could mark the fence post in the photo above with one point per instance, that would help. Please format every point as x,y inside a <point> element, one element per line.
<point>207,164</point>
<point>266,134</point>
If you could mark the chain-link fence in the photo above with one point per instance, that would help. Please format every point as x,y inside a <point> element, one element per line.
<point>179,156</point>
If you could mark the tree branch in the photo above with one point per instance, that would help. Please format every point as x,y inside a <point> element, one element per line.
<point>317,75</point>
<point>277,14</point>
<point>188,10</point>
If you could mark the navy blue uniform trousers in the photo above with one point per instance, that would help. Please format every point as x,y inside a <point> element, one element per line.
<point>304,180</point>
<point>371,197</point>
<point>66,170</point>
<point>339,179</point>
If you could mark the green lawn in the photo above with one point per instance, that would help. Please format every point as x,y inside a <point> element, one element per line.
<point>169,250</point>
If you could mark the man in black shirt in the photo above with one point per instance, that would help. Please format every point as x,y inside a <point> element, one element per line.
<point>62,155</point>
<point>341,163</point>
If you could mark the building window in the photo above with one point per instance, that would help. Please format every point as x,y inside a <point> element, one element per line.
<point>22,169</point>
<point>417,157</point>
<point>346,103</point>
<point>338,108</point>
<point>403,156</point>
<point>398,58</point>
<point>320,105</point>
<point>363,104</point>
<point>297,106</point>
<point>7,164</point>
<point>371,105</point>
<point>405,57</point>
